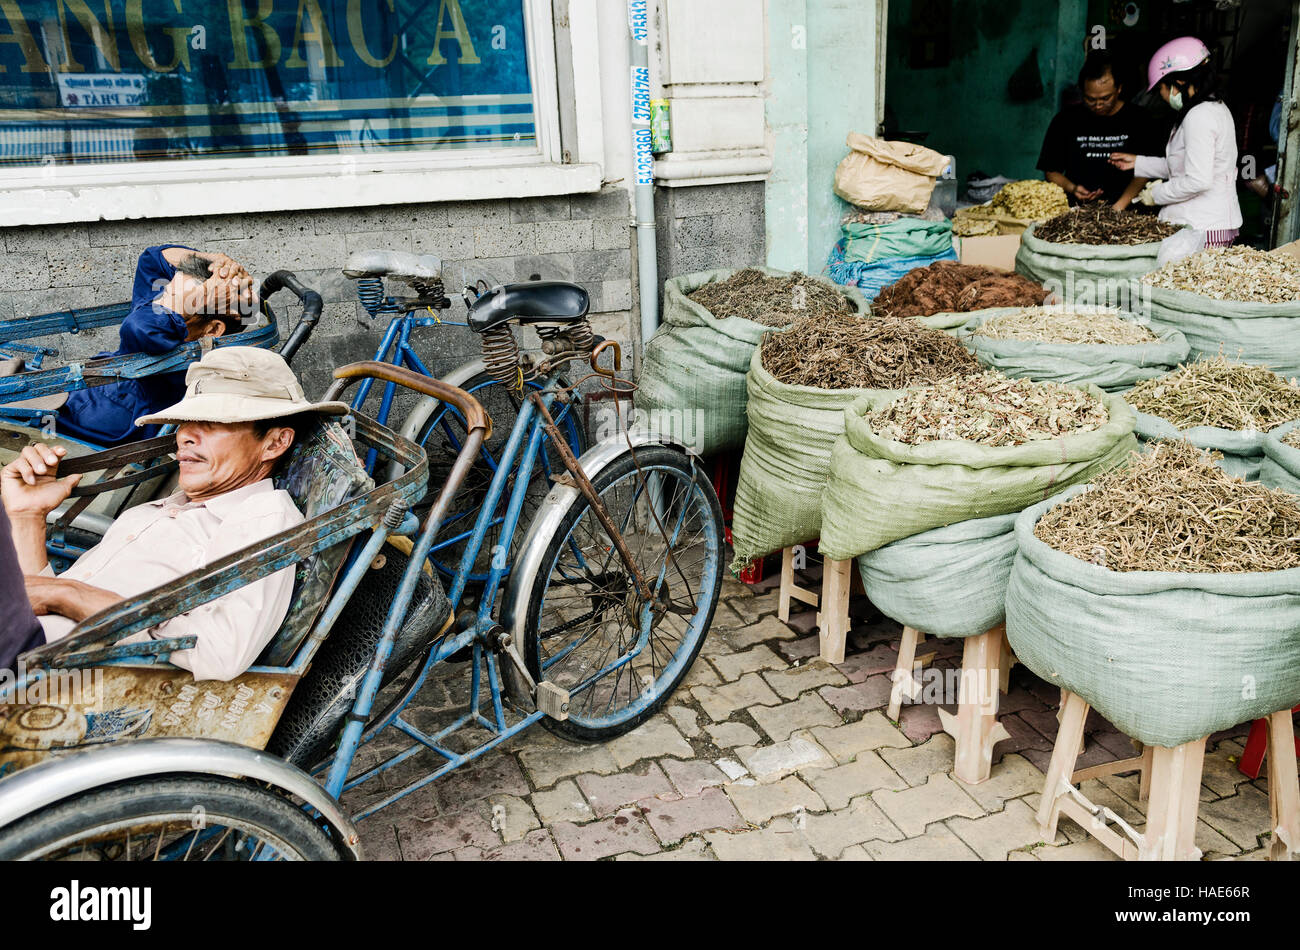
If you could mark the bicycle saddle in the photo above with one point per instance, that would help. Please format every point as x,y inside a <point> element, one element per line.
<point>537,301</point>
<point>393,264</point>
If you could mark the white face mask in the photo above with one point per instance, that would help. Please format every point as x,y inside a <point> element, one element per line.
<point>1176,100</point>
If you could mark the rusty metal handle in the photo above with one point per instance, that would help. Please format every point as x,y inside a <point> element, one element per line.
<point>618,358</point>
<point>476,416</point>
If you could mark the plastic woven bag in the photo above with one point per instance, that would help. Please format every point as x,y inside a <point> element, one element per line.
<point>1281,465</point>
<point>880,490</point>
<point>692,384</point>
<point>1087,274</point>
<point>1165,656</point>
<point>1243,450</point>
<point>1110,367</point>
<point>1267,334</point>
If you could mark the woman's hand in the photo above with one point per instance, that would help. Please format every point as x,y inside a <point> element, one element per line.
<point>1124,161</point>
<point>1085,194</point>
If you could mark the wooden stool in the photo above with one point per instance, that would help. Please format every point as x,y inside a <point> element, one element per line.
<point>985,668</point>
<point>839,580</point>
<point>1171,784</point>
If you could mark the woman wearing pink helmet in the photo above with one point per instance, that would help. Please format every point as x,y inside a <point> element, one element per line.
<point>1199,166</point>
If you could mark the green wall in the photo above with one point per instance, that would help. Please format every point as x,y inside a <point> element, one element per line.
<point>823,79</point>
<point>965,105</point>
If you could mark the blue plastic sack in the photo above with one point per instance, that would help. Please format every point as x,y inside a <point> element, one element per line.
<point>872,278</point>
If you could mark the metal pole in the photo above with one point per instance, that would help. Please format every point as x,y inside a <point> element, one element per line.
<point>643,167</point>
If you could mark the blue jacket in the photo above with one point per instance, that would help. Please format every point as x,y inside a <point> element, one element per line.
<point>105,415</point>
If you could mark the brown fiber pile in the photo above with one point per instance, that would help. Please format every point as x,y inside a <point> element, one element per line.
<point>949,287</point>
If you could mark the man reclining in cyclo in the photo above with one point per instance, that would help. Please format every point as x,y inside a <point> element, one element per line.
<point>179,295</point>
<point>241,411</point>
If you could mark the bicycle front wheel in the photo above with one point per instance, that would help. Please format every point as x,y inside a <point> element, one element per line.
<point>170,818</point>
<point>588,629</point>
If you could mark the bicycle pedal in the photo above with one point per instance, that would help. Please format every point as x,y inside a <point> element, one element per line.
<point>553,701</point>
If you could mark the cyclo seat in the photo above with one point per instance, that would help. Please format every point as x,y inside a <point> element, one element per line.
<point>537,301</point>
<point>376,263</point>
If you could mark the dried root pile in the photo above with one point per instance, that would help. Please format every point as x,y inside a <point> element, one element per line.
<point>1292,439</point>
<point>771,301</point>
<point>1066,325</point>
<point>1032,200</point>
<point>1216,392</point>
<point>849,352</point>
<point>1232,273</point>
<point>949,287</point>
<point>1175,510</point>
<point>1099,223</point>
<point>990,409</point>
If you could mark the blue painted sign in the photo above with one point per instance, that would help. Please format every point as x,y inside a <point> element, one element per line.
<point>240,78</point>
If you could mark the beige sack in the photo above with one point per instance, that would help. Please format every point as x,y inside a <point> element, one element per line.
<point>888,176</point>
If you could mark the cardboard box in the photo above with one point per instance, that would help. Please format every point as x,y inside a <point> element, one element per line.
<point>997,250</point>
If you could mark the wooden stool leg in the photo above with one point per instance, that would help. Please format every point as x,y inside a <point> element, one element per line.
<point>1170,832</point>
<point>976,728</point>
<point>1060,713</point>
<point>1283,787</point>
<point>1144,777</point>
<point>834,617</point>
<point>1008,660</point>
<point>1064,754</point>
<point>787,582</point>
<point>904,675</point>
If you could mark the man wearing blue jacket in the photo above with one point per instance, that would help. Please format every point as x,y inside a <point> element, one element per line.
<point>180,295</point>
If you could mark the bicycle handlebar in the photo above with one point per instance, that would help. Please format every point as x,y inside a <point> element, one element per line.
<point>312,305</point>
<point>476,416</point>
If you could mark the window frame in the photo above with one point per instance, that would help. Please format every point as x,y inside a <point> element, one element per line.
<point>48,194</point>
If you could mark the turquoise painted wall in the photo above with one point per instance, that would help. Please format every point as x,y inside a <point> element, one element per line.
<point>965,105</point>
<point>823,73</point>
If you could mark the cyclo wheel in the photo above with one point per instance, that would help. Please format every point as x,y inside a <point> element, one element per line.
<point>170,817</point>
<point>442,437</point>
<point>582,614</point>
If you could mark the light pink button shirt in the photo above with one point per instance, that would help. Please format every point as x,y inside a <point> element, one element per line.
<point>156,542</point>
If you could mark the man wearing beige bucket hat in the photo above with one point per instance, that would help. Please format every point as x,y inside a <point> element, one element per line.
<point>236,421</point>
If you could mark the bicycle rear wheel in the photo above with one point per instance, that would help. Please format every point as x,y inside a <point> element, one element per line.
<point>442,437</point>
<point>586,628</point>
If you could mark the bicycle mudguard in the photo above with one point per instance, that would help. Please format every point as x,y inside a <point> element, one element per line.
<point>73,773</point>
<point>544,525</point>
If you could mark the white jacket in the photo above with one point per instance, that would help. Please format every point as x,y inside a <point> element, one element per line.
<point>1200,168</point>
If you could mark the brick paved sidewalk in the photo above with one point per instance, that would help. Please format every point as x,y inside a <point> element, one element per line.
<point>766,752</point>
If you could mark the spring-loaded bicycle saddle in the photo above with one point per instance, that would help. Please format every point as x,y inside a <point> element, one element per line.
<point>537,301</point>
<point>399,264</point>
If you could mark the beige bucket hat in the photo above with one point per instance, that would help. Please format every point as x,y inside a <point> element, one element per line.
<point>240,384</point>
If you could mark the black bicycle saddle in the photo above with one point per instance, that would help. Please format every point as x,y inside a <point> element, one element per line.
<point>537,301</point>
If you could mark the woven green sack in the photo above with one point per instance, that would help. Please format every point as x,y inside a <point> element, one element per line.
<point>1087,274</point>
<point>1267,334</point>
<point>948,582</point>
<point>1167,657</point>
<point>692,385</point>
<point>880,490</point>
<point>787,457</point>
<point>1243,450</point>
<point>906,237</point>
<point>1281,465</point>
<point>1108,366</point>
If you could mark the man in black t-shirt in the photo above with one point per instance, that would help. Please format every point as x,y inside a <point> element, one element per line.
<point>1077,148</point>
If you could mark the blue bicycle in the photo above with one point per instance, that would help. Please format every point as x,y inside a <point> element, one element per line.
<point>501,381</point>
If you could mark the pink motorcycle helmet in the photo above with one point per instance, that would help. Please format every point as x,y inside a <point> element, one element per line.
<point>1176,56</point>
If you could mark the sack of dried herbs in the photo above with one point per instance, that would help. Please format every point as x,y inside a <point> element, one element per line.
<point>1075,345</point>
<point>1167,655</point>
<point>1235,300</point>
<point>882,488</point>
<point>800,382</point>
<point>692,384</point>
<point>1100,271</point>
<point>1216,404</point>
<point>1281,465</point>
<point>947,582</point>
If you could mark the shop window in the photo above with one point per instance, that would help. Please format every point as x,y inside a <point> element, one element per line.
<point>88,82</point>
